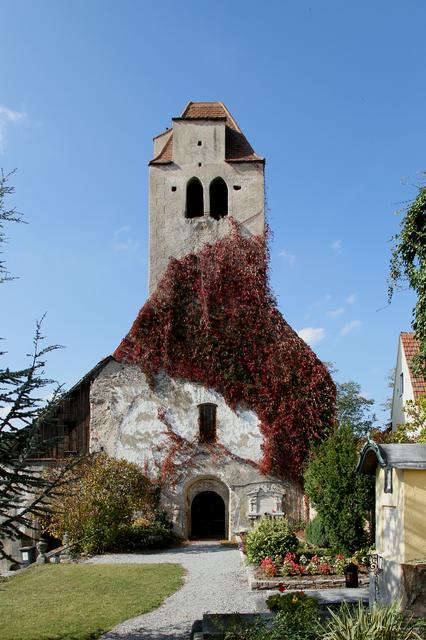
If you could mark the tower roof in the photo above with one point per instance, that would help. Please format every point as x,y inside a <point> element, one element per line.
<point>237,147</point>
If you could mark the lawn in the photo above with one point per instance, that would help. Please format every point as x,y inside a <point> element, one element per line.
<point>81,601</point>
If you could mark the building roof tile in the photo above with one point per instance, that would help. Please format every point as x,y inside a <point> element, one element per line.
<point>237,147</point>
<point>410,345</point>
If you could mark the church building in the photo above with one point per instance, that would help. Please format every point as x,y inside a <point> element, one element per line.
<point>211,392</point>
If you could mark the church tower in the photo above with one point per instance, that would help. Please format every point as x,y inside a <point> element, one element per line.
<point>211,391</point>
<point>204,170</point>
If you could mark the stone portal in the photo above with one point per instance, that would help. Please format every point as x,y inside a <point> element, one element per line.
<point>207,508</point>
<point>208,516</point>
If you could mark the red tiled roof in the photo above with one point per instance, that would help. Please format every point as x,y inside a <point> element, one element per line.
<point>411,346</point>
<point>166,154</point>
<point>237,147</point>
<point>209,111</point>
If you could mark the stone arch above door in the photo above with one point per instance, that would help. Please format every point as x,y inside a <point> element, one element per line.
<point>200,485</point>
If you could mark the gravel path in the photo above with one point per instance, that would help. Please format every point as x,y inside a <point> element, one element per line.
<point>216,582</point>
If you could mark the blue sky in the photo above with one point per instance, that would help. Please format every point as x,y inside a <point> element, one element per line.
<point>332,93</point>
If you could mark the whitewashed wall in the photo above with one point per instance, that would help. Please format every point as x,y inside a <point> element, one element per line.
<point>125,424</point>
<point>400,397</point>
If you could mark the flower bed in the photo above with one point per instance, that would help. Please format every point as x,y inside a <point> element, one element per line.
<point>292,564</point>
<point>299,571</point>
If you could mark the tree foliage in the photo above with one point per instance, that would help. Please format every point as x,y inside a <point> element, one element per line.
<point>214,320</point>
<point>353,408</point>
<point>414,430</point>
<point>23,409</point>
<point>6,215</point>
<point>103,496</point>
<point>408,266</point>
<point>342,497</point>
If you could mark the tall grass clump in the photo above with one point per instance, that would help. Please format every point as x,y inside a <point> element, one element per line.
<point>378,623</point>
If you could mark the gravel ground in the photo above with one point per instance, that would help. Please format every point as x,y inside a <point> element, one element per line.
<point>215,582</point>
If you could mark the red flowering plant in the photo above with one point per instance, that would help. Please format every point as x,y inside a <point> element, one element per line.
<point>294,564</point>
<point>269,567</point>
<point>213,320</point>
<point>290,567</point>
<point>324,568</point>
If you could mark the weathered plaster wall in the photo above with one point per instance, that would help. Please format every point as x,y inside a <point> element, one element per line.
<point>170,233</point>
<point>125,423</point>
<point>124,415</point>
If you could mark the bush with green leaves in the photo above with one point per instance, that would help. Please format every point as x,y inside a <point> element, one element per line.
<point>141,535</point>
<point>296,601</point>
<point>294,624</point>
<point>378,623</point>
<point>316,533</point>
<point>343,498</point>
<point>270,537</point>
<point>101,503</point>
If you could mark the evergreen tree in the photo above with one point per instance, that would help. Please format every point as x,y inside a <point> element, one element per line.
<point>343,498</point>
<point>24,493</point>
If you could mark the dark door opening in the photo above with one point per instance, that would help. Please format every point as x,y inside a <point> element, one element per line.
<point>208,516</point>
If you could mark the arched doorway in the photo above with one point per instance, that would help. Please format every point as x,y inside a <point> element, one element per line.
<point>208,516</point>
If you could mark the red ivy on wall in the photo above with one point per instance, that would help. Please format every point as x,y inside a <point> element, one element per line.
<point>214,320</point>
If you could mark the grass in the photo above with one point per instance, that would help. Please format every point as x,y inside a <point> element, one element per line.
<point>81,601</point>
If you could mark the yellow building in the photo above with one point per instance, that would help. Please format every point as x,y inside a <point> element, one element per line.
<point>399,568</point>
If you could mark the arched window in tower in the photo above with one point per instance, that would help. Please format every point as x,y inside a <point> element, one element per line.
<point>207,422</point>
<point>194,199</point>
<point>218,198</point>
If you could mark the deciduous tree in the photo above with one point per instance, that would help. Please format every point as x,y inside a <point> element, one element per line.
<point>408,266</point>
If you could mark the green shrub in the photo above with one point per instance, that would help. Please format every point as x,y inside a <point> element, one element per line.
<point>150,535</point>
<point>315,533</point>
<point>292,602</point>
<point>341,496</point>
<point>297,624</point>
<point>360,623</point>
<point>100,502</point>
<point>309,552</point>
<point>269,537</point>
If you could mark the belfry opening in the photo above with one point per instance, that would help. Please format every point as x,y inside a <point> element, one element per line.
<point>218,199</point>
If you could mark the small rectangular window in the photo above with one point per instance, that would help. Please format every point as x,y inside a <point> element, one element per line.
<point>401,384</point>
<point>207,422</point>
<point>388,480</point>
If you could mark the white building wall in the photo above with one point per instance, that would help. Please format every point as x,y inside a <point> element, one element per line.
<point>124,415</point>
<point>401,395</point>
<point>125,424</point>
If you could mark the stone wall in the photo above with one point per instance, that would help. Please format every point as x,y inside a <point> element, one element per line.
<point>170,233</point>
<point>413,588</point>
<point>125,424</point>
